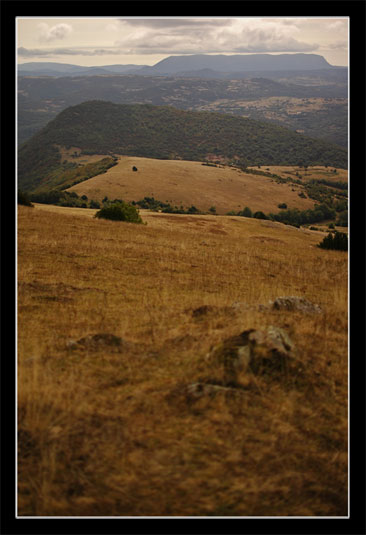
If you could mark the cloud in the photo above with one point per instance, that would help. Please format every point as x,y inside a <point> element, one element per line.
<point>337,25</point>
<point>211,37</point>
<point>175,23</point>
<point>59,31</point>
<point>337,45</point>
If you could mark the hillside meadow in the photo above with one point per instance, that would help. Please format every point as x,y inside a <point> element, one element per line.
<point>115,322</point>
<point>183,183</point>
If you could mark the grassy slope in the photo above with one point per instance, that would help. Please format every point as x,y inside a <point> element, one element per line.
<point>103,433</point>
<point>187,183</point>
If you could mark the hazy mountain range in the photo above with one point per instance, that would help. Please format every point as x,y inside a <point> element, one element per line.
<point>200,64</point>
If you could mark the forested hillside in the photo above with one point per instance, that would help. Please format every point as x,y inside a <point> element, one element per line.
<point>314,103</point>
<point>166,133</point>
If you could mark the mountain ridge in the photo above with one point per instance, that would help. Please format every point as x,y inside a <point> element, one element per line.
<point>196,62</point>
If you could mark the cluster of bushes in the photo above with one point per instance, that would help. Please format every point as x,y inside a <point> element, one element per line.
<point>337,241</point>
<point>247,212</point>
<point>337,185</point>
<point>297,217</point>
<point>318,192</point>
<point>321,212</point>
<point>63,198</point>
<point>149,203</point>
<point>174,210</point>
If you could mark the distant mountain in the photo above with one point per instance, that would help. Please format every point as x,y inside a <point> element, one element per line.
<point>162,132</point>
<point>237,63</point>
<point>65,69</point>
<point>217,66</point>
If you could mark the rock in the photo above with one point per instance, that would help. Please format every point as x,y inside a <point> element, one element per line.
<point>252,351</point>
<point>270,348</point>
<point>293,303</point>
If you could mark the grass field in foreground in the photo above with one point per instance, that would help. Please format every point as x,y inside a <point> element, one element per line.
<point>102,433</point>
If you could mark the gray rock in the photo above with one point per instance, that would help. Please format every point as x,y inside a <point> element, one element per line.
<point>252,351</point>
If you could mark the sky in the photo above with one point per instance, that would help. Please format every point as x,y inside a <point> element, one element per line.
<point>98,41</point>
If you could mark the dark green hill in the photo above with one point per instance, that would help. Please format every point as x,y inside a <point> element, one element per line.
<point>167,133</point>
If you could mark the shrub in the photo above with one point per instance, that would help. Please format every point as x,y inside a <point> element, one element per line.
<point>94,204</point>
<point>282,205</point>
<point>246,212</point>
<point>260,215</point>
<point>23,199</point>
<point>337,241</point>
<point>193,210</point>
<point>120,212</point>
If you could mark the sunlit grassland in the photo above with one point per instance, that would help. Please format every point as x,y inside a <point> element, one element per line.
<point>111,433</point>
<point>185,183</point>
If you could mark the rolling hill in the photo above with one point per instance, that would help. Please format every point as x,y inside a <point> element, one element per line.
<point>143,130</point>
<point>182,184</point>
<point>320,97</point>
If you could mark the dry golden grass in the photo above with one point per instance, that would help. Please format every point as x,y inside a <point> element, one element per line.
<point>185,183</point>
<point>315,172</point>
<point>112,433</point>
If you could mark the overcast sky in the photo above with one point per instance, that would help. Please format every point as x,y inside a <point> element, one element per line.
<point>145,41</point>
